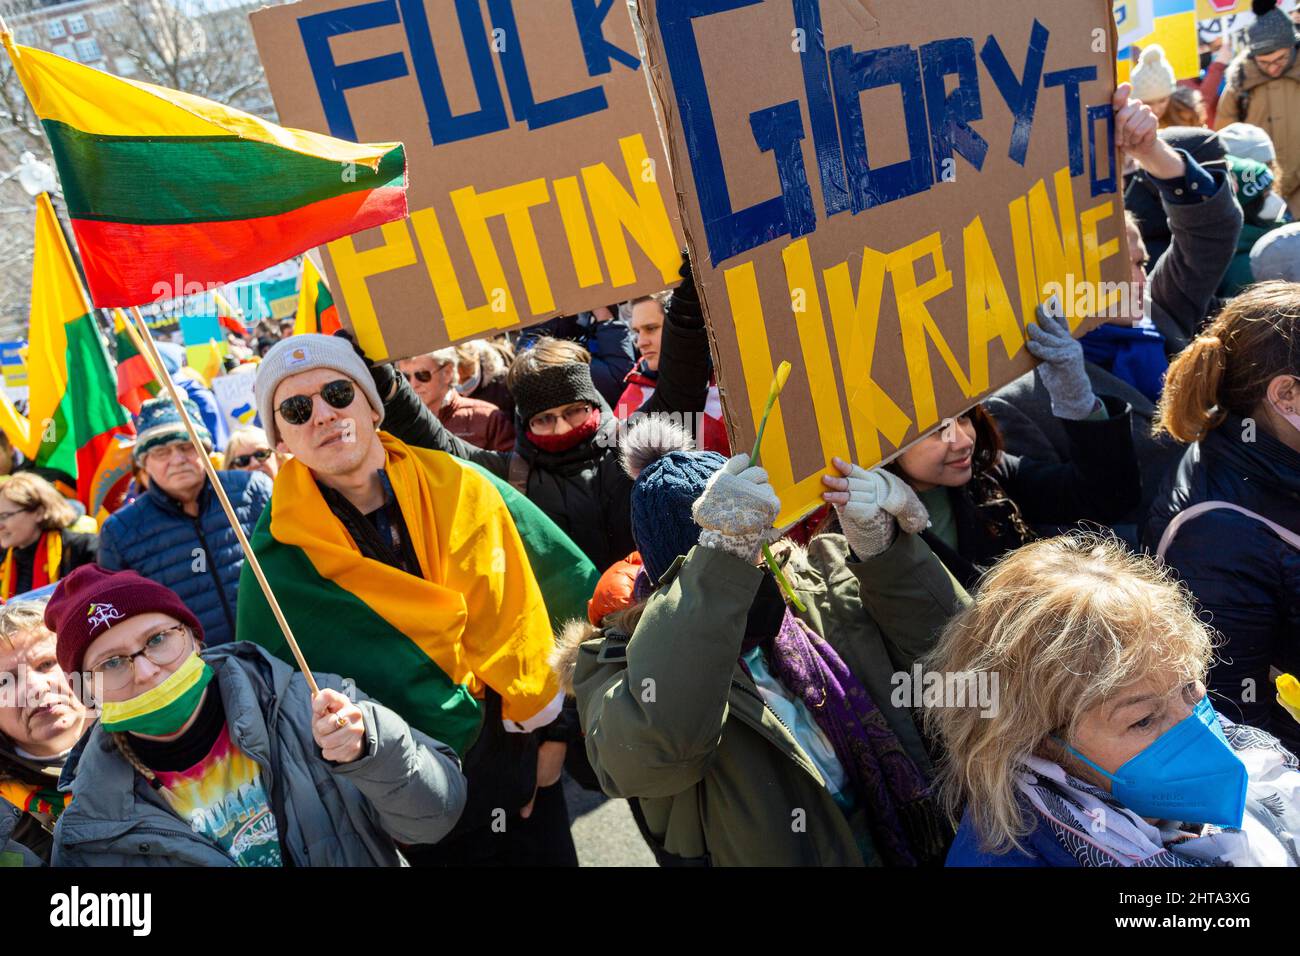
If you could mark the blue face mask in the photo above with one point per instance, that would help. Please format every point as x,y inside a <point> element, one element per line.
<point>1189,774</point>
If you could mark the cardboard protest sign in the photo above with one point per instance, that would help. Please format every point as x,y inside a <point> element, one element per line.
<point>538,185</point>
<point>234,393</point>
<point>882,192</point>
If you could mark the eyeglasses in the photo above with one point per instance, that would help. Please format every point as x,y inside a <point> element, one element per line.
<point>337,394</point>
<point>574,415</point>
<point>1272,59</point>
<point>423,376</point>
<point>243,461</point>
<point>6,515</point>
<point>165,452</point>
<point>160,648</point>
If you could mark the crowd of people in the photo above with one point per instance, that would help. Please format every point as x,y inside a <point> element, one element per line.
<point>520,558</point>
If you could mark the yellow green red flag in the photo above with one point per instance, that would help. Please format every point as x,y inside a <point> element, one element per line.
<point>316,309</point>
<point>73,409</point>
<point>162,184</point>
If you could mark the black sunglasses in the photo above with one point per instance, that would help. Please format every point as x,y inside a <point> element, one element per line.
<point>337,394</point>
<point>424,376</point>
<point>243,461</point>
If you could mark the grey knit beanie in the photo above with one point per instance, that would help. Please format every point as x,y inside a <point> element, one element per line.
<point>1277,255</point>
<point>303,353</point>
<point>1271,31</point>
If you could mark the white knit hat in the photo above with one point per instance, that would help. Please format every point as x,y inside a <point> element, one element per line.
<point>302,353</point>
<point>1247,141</point>
<point>1153,78</point>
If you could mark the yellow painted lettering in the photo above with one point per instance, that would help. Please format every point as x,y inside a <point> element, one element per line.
<point>757,367</point>
<point>855,321</point>
<point>473,223</point>
<point>989,314</point>
<point>642,213</point>
<point>816,349</point>
<point>1056,245</point>
<point>1024,251</point>
<point>582,246</point>
<point>918,324</point>
<point>353,267</point>
<point>1095,253</point>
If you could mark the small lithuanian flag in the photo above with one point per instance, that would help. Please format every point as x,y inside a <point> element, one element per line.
<point>160,183</point>
<point>316,309</point>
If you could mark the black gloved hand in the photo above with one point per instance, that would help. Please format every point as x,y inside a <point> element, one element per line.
<point>684,303</point>
<point>384,375</point>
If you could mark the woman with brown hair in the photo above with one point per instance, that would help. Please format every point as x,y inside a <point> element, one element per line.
<point>38,547</point>
<point>981,501</point>
<point>1101,747</point>
<point>1227,520</point>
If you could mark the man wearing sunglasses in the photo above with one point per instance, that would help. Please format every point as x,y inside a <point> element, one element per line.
<point>1263,89</point>
<point>177,533</point>
<point>434,378</point>
<point>403,569</point>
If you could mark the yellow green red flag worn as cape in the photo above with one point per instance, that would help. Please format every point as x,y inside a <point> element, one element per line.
<point>161,184</point>
<point>73,410</point>
<point>423,646</point>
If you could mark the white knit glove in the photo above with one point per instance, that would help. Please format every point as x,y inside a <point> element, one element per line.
<point>872,505</point>
<point>737,509</point>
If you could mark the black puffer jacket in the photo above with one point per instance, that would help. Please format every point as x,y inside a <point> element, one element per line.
<point>1245,578</point>
<point>1099,481</point>
<point>78,548</point>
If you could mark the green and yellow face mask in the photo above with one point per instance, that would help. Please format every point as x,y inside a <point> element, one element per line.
<point>161,710</point>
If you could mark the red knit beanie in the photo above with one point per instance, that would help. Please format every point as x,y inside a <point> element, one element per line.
<point>90,600</point>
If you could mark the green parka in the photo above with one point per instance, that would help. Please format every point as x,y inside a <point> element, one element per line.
<point>672,719</point>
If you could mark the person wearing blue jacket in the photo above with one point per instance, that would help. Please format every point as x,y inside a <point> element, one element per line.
<point>1093,741</point>
<point>177,533</point>
<point>197,391</point>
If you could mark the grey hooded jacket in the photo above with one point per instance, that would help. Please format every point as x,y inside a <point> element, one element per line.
<point>13,853</point>
<point>407,787</point>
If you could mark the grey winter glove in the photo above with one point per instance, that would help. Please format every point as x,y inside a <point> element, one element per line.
<point>872,506</point>
<point>1062,363</point>
<point>737,509</point>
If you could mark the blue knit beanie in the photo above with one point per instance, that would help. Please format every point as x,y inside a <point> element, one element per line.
<point>159,423</point>
<point>668,479</point>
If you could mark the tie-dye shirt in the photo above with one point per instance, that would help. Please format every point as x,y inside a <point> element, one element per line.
<point>222,798</point>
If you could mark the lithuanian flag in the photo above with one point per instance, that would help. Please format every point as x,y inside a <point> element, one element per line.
<point>316,309</point>
<point>498,577</point>
<point>137,381</point>
<point>162,184</point>
<point>73,411</point>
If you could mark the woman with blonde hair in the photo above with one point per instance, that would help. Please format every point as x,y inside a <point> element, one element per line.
<point>39,548</point>
<point>1101,747</point>
<point>1227,519</point>
<point>250,450</point>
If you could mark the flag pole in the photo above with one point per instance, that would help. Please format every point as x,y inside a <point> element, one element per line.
<point>147,337</point>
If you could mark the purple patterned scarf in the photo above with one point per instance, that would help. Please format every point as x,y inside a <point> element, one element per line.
<point>907,826</point>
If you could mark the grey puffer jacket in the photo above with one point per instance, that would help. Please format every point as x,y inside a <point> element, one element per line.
<point>407,787</point>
